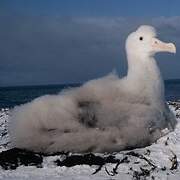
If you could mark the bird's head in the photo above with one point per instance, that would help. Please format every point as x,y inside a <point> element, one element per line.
<point>143,42</point>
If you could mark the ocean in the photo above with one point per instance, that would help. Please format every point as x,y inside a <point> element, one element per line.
<point>12,96</point>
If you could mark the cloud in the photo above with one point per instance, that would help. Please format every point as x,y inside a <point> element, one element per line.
<point>49,49</point>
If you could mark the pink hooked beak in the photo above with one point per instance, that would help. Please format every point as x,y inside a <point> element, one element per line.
<point>159,46</point>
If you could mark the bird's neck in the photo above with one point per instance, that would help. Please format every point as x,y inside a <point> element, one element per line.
<point>145,77</point>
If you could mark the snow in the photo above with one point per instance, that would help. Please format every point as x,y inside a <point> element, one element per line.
<point>158,161</point>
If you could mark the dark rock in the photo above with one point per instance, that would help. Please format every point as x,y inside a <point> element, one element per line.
<point>15,157</point>
<point>88,159</point>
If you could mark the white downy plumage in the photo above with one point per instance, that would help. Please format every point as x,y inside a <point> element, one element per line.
<point>104,115</point>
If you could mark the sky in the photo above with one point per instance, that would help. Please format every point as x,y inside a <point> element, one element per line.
<point>68,41</point>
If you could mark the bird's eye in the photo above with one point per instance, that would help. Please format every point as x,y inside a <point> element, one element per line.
<point>141,38</point>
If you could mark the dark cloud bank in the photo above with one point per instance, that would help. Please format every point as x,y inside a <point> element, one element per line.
<point>54,50</point>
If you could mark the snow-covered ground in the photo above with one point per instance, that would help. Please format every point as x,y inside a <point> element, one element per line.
<point>158,161</point>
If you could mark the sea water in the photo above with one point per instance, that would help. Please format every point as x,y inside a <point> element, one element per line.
<point>12,96</point>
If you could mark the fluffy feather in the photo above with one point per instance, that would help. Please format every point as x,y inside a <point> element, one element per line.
<point>106,114</point>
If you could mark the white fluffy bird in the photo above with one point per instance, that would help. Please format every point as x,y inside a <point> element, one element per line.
<point>104,115</point>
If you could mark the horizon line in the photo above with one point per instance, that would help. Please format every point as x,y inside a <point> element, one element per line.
<point>62,84</point>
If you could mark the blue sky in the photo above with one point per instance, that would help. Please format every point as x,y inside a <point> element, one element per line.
<point>64,41</point>
<point>93,7</point>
